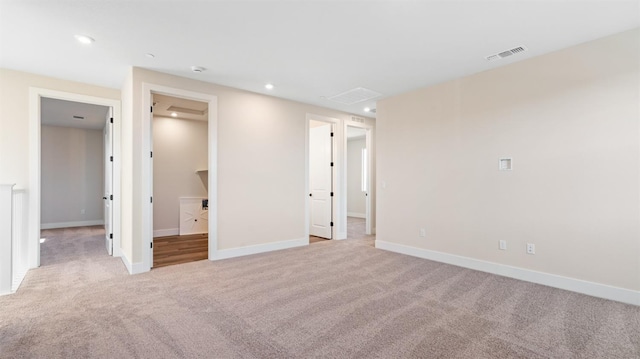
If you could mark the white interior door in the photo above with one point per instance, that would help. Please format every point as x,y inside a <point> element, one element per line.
<point>108,181</point>
<point>320,180</point>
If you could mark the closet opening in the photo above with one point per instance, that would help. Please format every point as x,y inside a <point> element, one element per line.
<point>180,180</point>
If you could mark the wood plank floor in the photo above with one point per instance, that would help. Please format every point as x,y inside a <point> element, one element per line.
<point>172,250</point>
<point>314,239</point>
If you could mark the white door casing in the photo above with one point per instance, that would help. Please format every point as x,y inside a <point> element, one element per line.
<point>370,165</point>
<point>108,181</point>
<point>146,243</point>
<point>150,114</point>
<point>35,95</point>
<point>320,180</point>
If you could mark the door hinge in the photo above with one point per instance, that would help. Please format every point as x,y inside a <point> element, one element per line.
<point>150,108</point>
<point>151,245</point>
<point>331,224</point>
<point>151,199</point>
<point>111,158</point>
<point>111,197</point>
<point>110,235</point>
<point>331,164</point>
<point>331,194</point>
<point>111,120</point>
<point>331,134</point>
<point>151,154</point>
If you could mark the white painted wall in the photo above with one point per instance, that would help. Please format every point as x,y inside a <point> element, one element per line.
<point>356,200</point>
<point>261,163</point>
<point>126,150</point>
<point>72,171</point>
<point>14,123</point>
<point>261,157</point>
<point>569,120</point>
<point>179,149</point>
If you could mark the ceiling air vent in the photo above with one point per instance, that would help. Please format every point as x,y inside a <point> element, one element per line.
<point>506,53</point>
<point>78,117</point>
<point>354,96</point>
<point>357,119</point>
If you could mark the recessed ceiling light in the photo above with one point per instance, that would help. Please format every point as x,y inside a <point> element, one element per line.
<point>84,39</point>
<point>197,69</point>
<point>366,109</point>
<point>173,114</point>
<point>269,86</point>
<point>149,55</point>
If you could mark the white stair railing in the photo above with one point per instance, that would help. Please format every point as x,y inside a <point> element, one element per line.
<point>20,238</point>
<point>14,262</point>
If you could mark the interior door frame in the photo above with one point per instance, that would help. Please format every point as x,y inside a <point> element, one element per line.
<point>369,205</point>
<point>339,230</point>
<point>147,174</point>
<point>34,193</point>
<point>108,171</point>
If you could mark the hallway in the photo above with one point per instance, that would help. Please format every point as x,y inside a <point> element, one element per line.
<point>355,230</point>
<point>75,255</point>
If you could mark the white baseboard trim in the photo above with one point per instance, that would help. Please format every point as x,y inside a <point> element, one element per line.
<point>356,214</point>
<point>99,222</point>
<point>166,232</point>
<point>17,279</point>
<point>117,252</point>
<point>258,248</point>
<point>132,268</point>
<point>571,284</point>
<point>137,268</point>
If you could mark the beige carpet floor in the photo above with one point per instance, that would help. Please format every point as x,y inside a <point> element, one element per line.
<point>335,299</point>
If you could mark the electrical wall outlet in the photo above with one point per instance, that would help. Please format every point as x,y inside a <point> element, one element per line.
<point>422,232</point>
<point>531,248</point>
<point>503,245</point>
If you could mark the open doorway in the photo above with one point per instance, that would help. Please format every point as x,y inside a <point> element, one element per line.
<point>36,95</point>
<point>359,168</point>
<point>357,182</point>
<point>179,160</point>
<point>147,199</point>
<point>76,184</point>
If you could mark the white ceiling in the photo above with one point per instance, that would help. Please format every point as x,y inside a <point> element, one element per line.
<point>60,113</point>
<point>310,50</point>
